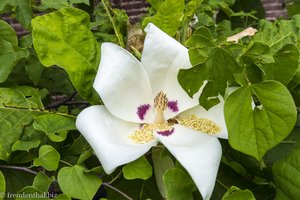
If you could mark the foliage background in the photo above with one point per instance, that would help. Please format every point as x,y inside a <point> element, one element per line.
<point>46,79</point>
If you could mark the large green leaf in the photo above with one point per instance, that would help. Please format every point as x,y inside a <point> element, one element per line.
<point>256,130</point>
<point>285,65</point>
<point>218,69</point>
<point>139,168</point>
<point>77,183</point>
<point>64,38</point>
<point>287,176</point>
<point>48,158</point>
<point>55,126</point>
<point>276,35</point>
<point>168,16</point>
<point>179,185</point>
<point>2,186</point>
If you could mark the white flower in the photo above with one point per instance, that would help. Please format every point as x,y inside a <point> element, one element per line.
<point>139,98</point>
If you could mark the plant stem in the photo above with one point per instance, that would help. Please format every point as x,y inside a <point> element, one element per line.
<point>24,169</point>
<point>66,163</point>
<point>120,39</point>
<point>224,186</point>
<point>116,177</point>
<point>115,189</point>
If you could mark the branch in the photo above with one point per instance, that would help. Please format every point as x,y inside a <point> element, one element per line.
<point>115,189</point>
<point>24,169</point>
<point>59,103</point>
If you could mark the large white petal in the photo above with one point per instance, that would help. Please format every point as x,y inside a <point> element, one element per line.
<point>162,58</point>
<point>108,136</point>
<point>122,83</point>
<point>215,114</point>
<point>198,153</point>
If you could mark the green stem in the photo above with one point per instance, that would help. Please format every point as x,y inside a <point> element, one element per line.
<point>119,37</point>
<point>66,163</point>
<point>117,190</point>
<point>115,178</point>
<point>224,186</point>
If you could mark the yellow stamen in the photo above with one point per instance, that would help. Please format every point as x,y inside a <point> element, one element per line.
<point>145,134</point>
<point>200,124</point>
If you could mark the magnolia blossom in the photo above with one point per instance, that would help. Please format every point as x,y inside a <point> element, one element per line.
<point>145,105</point>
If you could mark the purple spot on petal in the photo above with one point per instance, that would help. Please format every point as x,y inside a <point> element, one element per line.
<point>166,132</point>
<point>173,105</point>
<point>142,111</point>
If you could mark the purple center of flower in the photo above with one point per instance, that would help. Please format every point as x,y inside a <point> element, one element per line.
<point>173,105</point>
<point>142,111</point>
<point>166,132</point>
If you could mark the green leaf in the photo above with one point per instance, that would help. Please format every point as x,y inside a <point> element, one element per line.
<point>9,56</point>
<point>255,131</point>
<point>285,65</point>
<point>48,158</point>
<point>22,97</point>
<point>23,11</point>
<point>62,197</point>
<point>3,4</point>
<point>21,145</point>
<point>56,44</point>
<point>139,168</point>
<point>257,53</point>
<point>8,33</point>
<point>155,3</point>
<point>55,126</point>
<point>179,185</point>
<point>192,79</point>
<point>34,69</point>
<point>87,2</point>
<point>168,16</point>
<point>18,106</point>
<point>31,193</point>
<point>286,175</point>
<point>77,183</point>
<point>235,193</point>
<point>2,186</point>
<point>55,4</point>
<point>201,38</point>
<point>42,182</point>
<point>276,35</point>
<point>217,70</point>
<point>161,164</point>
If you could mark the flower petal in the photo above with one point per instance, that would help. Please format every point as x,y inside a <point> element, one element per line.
<point>162,58</point>
<point>108,136</point>
<point>198,153</point>
<point>215,114</point>
<point>122,83</point>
